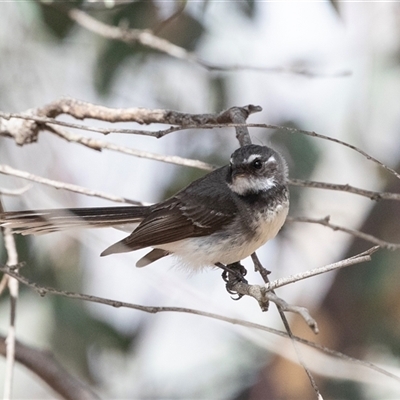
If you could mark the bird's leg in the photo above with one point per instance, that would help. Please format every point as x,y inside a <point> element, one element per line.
<point>232,275</point>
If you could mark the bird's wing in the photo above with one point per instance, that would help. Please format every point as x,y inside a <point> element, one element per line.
<point>171,221</point>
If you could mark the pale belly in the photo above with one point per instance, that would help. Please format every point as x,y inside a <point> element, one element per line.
<point>206,251</point>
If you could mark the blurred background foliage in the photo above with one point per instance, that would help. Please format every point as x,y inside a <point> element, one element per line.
<point>357,308</point>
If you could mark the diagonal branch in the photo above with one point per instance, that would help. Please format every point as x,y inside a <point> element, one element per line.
<point>233,117</point>
<point>376,196</point>
<point>153,310</point>
<point>7,170</point>
<point>357,259</point>
<point>149,39</point>
<point>99,145</point>
<point>365,236</point>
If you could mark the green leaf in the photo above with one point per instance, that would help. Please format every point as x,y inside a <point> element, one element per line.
<point>56,19</point>
<point>183,31</point>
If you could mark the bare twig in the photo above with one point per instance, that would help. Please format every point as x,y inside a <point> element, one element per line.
<point>15,192</point>
<point>99,145</point>
<point>43,364</point>
<point>153,310</point>
<point>280,303</point>
<point>260,293</point>
<point>281,70</point>
<point>28,132</point>
<point>118,304</point>
<point>357,259</point>
<point>82,110</point>
<point>147,38</point>
<point>346,188</point>
<point>302,311</point>
<point>131,36</point>
<point>263,297</point>
<point>288,129</point>
<point>282,306</point>
<point>318,135</point>
<point>365,236</point>
<point>7,170</point>
<point>36,119</point>
<point>239,116</point>
<point>298,354</point>
<point>12,259</point>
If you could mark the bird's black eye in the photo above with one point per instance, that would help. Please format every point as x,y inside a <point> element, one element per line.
<point>257,163</point>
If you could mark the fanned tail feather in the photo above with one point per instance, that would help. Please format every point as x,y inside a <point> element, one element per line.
<point>36,222</point>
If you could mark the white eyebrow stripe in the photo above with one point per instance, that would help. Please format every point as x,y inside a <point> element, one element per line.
<point>252,158</point>
<point>271,160</point>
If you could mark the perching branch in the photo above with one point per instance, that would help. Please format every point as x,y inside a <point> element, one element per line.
<point>42,291</point>
<point>357,259</point>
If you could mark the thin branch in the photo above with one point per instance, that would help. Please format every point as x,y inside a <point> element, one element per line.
<point>280,70</point>
<point>282,306</point>
<point>99,145</point>
<point>365,236</point>
<point>281,309</point>
<point>318,135</point>
<point>82,110</point>
<point>131,36</point>
<point>376,196</point>
<point>44,365</point>
<point>288,129</point>
<point>148,39</point>
<point>15,192</point>
<point>263,297</point>
<point>42,291</point>
<point>357,259</point>
<point>260,293</point>
<point>13,287</point>
<point>239,116</point>
<point>36,119</point>
<point>7,170</point>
